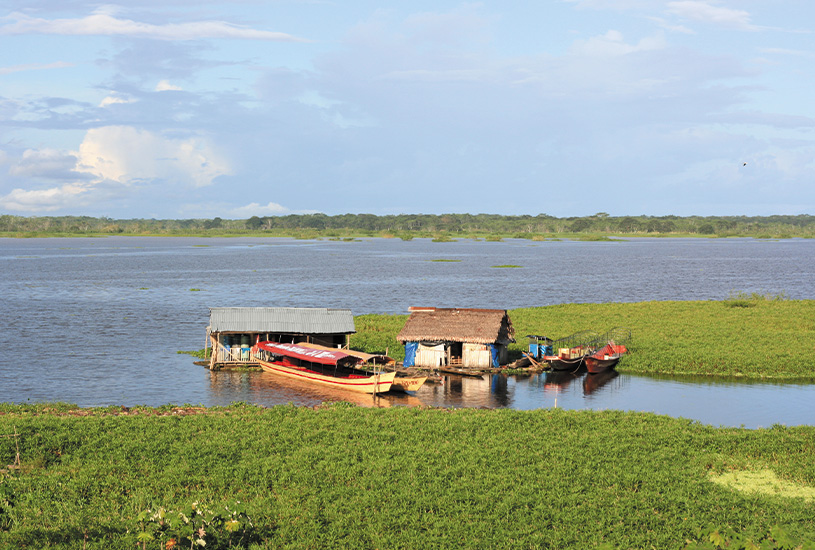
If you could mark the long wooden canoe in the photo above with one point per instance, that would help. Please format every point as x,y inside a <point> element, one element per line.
<point>326,367</point>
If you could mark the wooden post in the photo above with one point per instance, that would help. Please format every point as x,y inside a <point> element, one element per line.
<point>214,352</point>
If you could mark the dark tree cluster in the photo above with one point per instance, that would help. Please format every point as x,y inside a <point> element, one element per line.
<point>420,224</point>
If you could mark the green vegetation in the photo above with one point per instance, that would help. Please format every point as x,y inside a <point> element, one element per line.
<point>506,266</point>
<point>751,336</point>
<point>441,228</point>
<point>444,260</point>
<point>340,476</point>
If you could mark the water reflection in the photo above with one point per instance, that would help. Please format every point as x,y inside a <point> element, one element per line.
<point>267,389</point>
<point>593,382</point>
<point>723,403</point>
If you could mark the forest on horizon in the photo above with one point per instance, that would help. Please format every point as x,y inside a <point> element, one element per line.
<point>418,225</point>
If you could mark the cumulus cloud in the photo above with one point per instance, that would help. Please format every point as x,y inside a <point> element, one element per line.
<point>129,155</point>
<point>45,163</point>
<point>47,200</point>
<point>112,162</point>
<point>104,24</point>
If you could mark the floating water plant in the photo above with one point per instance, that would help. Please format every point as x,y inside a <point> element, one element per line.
<point>444,260</point>
<point>507,266</point>
<point>763,482</point>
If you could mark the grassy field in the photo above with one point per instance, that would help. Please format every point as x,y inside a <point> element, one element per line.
<point>346,477</point>
<point>745,335</point>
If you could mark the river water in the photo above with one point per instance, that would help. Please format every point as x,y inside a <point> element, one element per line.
<point>98,321</point>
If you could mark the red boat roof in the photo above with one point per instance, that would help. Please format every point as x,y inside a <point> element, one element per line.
<point>322,356</point>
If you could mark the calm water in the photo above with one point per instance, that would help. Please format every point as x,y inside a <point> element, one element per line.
<point>99,321</point>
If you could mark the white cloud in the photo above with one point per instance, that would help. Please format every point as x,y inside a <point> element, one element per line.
<point>38,162</point>
<point>114,99</point>
<point>103,24</point>
<point>707,13</point>
<point>165,86</point>
<point>129,155</point>
<point>47,200</point>
<point>255,209</point>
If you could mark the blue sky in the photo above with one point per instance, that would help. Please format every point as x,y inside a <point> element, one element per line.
<point>197,109</point>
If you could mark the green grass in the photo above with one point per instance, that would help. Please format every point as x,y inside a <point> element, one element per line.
<point>771,338</point>
<point>346,477</point>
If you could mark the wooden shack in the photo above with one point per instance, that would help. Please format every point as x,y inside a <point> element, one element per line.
<point>232,331</point>
<point>453,337</point>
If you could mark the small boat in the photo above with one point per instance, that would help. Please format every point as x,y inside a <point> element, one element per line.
<point>407,383</point>
<point>402,382</point>
<point>320,366</point>
<point>569,351</point>
<point>605,358</point>
<point>567,359</point>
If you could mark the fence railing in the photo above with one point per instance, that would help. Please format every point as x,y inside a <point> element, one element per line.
<point>233,354</point>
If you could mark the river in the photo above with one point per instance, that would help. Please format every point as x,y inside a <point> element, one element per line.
<point>99,321</point>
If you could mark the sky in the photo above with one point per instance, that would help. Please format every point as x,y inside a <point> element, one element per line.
<point>239,108</point>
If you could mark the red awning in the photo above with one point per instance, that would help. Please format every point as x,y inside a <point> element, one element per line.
<point>324,357</point>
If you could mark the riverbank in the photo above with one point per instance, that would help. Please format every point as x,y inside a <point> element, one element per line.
<point>346,477</point>
<point>747,335</point>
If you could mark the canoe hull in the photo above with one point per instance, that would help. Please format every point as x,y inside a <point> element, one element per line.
<point>596,365</point>
<point>560,363</point>
<point>404,383</point>
<point>376,383</point>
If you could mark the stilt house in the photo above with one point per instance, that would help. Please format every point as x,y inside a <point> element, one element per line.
<point>452,337</point>
<point>232,331</point>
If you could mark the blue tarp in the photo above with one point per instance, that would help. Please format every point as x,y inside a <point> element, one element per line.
<point>410,353</point>
<point>494,350</point>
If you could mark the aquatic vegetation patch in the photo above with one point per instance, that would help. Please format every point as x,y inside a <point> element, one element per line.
<point>751,299</point>
<point>507,266</point>
<point>763,482</point>
<point>340,476</point>
<point>444,260</point>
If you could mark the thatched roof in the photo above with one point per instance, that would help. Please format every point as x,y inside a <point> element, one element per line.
<point>477,326</point>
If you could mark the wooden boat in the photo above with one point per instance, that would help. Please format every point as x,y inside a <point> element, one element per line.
<point>408,383</point>
<point>567,359</point>
<point>605,358</point>
<point>318,366</point>
<point>402,382</point>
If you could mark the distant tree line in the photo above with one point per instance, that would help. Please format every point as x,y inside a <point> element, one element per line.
<point>524,226</point>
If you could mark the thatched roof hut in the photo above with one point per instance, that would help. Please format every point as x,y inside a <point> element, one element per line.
<point>481,326</point>
<point>451,336</point>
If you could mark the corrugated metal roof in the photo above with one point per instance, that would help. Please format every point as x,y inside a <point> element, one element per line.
<point>281,319</point>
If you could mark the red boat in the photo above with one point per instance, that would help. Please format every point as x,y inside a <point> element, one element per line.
<point>605,358</point>
<point>327,367</point>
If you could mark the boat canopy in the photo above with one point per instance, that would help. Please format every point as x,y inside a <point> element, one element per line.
<point>322,356</point>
